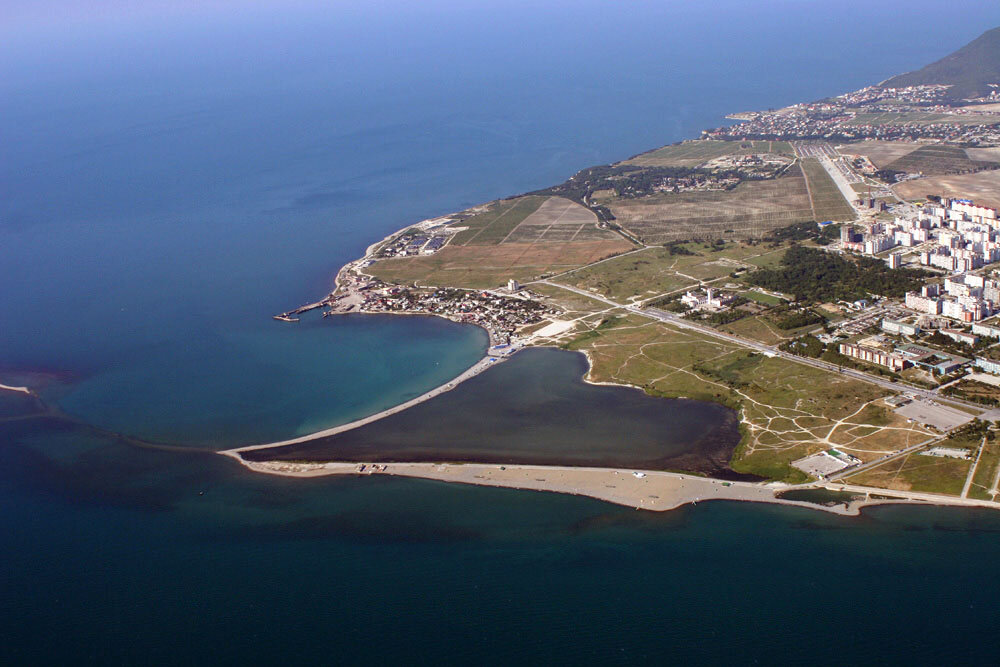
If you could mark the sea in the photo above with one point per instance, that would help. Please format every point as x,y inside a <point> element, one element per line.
<point>172,174</point>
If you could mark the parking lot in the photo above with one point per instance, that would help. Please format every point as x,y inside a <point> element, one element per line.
<point>939,416</point>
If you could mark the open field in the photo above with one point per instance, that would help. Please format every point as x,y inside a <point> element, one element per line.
<point>760,297</point>
<point>693,153</point>
<point>493,225</point>
<point>750,210</point>
<point>757,328</point>
<point>938,159</point>
<point>481,266</point>
<point>917,472</point>
<point>558,220</point>
<point>767,258</point>
<point>979,392</point>
<point>988,154</point>
<point>880,153</point>
<point>520,238</point>
<point>827,201</point>
<point>922,118</point>
<point>788,410</point>
<point>656,270</point>
<point>529,220</point>
<point>986,471</point>
<point>982,187</point>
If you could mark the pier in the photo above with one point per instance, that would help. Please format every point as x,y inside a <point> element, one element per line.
<point>287,316</point>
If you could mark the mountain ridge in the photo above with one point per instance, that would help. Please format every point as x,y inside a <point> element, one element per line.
<point>968,71</point>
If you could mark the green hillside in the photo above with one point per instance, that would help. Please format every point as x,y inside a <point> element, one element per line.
<point>969,70</point>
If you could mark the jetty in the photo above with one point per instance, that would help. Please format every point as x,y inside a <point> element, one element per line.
<point>287,316</point>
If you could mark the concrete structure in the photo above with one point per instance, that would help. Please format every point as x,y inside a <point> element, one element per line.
<point>709,298</point>
<point>899,328</point>
<point>986,330</point>
<point>937,362</point>
<point>874,355</point>
<point>960,336</point>
<point>988,365</point>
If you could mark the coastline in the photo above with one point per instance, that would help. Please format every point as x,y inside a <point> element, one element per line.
<point>20,390</point>
<point>650,490</point>
<point>472,371</point>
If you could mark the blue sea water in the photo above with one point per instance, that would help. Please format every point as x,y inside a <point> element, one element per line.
<point>173,174</point>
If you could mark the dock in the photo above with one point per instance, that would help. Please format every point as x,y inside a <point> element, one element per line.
<point>287,316</point>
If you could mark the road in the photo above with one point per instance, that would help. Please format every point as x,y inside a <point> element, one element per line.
<point>853,470</point>
<point>770,350</point>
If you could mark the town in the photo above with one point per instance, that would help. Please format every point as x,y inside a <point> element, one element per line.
<point>895,114</point>
<point>500,313</point>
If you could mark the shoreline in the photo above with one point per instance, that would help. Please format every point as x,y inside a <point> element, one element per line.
<point>469,373</point>
<point>650,490</point>
<point>19,390</point>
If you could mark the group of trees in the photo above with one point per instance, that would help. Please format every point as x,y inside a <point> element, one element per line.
<point>815,276</point>
<point>803,231</point>
<point>798,318</point>
<point>629,180</point>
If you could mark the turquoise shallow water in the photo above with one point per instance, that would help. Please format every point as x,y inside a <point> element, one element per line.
<point>172,176</point>
<point>536,408</point>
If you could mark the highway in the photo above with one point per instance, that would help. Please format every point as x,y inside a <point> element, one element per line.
<point>770,350</point>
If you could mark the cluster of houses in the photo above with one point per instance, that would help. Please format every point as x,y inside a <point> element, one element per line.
<point>922,95</point>
<point>424,239</point>
<point>695,183</point>
<point>499,314</point>
<point>838,119</point>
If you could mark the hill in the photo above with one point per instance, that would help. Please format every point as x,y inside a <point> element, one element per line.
<point>969,70</point>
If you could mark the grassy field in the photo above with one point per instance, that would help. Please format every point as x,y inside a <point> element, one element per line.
<point>980,392</point>
<point>693,153</point>
<point>788,410</point>
<point>986,471</point>
<point>921,118</point>
<point>982,187</point>
<point>767,257</point>
<point>638,274</point>
<point>481,266</point>
<point>656,270</point>
<point>493,225</point>
<point>938,159</point>
<point>916,472</point>
<point>827,201</point>
<point>880,153</point>
<point>750,210</point>
<point>760,297</point>
<point>759,328</point>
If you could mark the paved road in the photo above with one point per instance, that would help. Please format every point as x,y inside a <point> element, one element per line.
<point>770,350</point>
